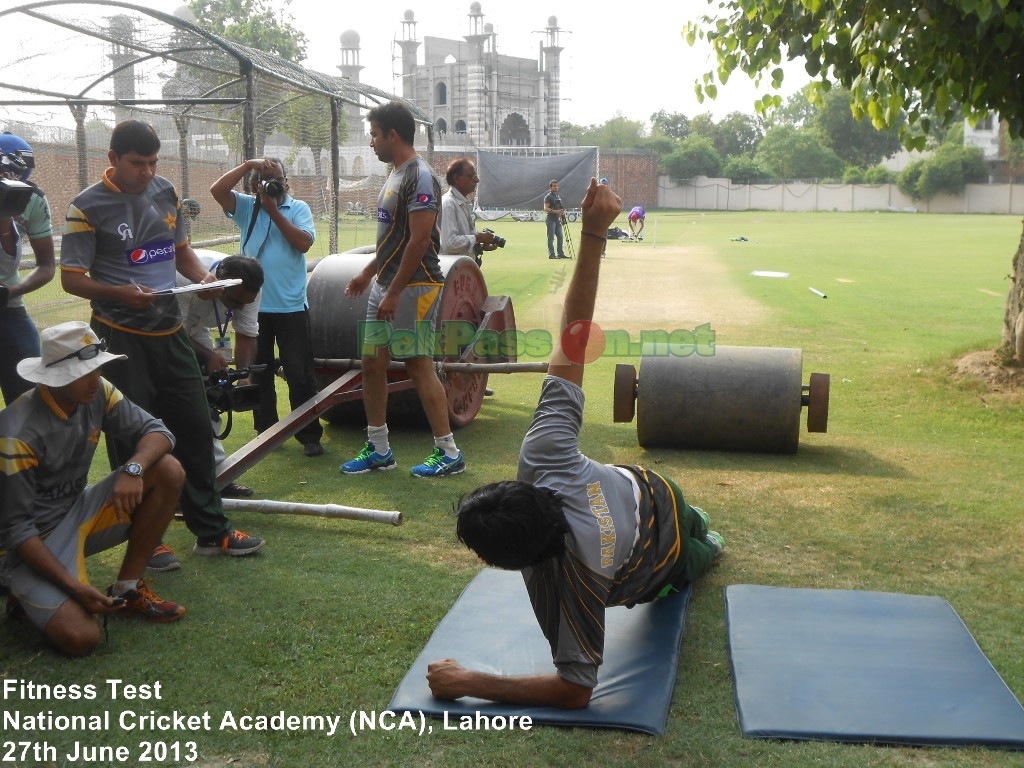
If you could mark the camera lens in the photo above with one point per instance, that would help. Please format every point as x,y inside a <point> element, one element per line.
<point>273,187</point>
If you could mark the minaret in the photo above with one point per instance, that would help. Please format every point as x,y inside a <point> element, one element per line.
<point>409,45</point>
<point>553,81</point>
<point>350,69</point>
<point>349,66</point>
<point>122,34</point>
<point>476,77</point>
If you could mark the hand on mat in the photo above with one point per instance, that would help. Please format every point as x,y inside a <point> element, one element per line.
<point>445,678</point>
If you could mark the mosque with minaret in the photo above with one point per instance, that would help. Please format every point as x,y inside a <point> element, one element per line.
<point>474,95</point>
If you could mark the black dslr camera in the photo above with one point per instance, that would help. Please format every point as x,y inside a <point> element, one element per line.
<point>272,187</point>
<point>224,393</point>
<point>498,241</point>
<point>478,248</point>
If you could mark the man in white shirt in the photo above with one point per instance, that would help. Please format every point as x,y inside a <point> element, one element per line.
<point>458,222</point>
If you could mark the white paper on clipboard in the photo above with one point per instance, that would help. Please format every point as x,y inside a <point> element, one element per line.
<point>194,287</point>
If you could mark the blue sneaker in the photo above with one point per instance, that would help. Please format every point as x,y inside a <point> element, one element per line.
<point>438,464</point>
<point>369,460</point>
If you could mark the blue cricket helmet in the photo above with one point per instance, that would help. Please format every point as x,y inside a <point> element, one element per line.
<point>16,156</point>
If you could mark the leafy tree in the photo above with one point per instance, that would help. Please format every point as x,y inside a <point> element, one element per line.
<point>737,134</point>
<point>675,125</point>
<point>797,110</point>
<point>617,133</point>
<point>745,169</point>
<point>910,178</point>
<point>879,174</point>
<point>621,133</point>
<point>256,24</point>
<point>695,156</point>
<point>896,59</point>
<point>792,153</point>
<point>307,119</point>
<point>854,174</point>
<point>857,142</point>
<point>704,125</point>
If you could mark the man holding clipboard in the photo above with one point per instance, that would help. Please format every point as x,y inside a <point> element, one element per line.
<point>124,241</point>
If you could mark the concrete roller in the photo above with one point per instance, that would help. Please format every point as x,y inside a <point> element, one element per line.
<point>739,398</point>
<point>335,317</point>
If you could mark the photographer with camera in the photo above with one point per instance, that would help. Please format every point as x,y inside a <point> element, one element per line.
<point>238,305</point>
<point>18,336</point>
<point>458,222</point>
<point>277,230</point>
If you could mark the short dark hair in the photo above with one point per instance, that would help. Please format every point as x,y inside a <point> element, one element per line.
<point>553,181</point>
<point>512,524</point>
<point>134,136</point>
<point>246,268</point>
<point>394,116</point>
<point>455,168</point>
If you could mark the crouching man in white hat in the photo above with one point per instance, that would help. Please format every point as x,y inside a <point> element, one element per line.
<point>51,520</point>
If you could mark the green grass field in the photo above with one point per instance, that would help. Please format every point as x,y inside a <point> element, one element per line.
<point>915,488</point>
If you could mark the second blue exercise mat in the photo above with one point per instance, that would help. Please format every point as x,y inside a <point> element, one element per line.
<point>876,667</point>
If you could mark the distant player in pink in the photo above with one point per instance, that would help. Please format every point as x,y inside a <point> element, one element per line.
<point>636,215</point>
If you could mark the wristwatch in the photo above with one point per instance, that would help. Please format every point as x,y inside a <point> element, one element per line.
<point>133,469</point>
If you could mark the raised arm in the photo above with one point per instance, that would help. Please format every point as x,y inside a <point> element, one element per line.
<point>600,207</point>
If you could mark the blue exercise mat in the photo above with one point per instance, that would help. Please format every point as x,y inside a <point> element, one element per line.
<point>492,628</point>
<point>843,665</point>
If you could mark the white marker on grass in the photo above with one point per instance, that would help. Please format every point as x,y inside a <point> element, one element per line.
<point>819,293</point>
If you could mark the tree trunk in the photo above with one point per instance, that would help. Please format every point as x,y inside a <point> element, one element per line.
<point>1013,316</point>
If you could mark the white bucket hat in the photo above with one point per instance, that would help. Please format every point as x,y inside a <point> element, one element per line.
<point>70,351</point>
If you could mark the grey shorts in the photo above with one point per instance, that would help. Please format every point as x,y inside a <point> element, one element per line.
<point>411,332</point>
<point>90,526</point>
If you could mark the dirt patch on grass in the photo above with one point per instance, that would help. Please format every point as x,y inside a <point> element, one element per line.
<point>643,287</point>
<point>984,370</point>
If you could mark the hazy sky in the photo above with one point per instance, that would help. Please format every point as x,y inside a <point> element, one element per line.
<point>614,60</point>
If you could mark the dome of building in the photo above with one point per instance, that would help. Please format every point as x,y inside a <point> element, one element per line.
<point>409,16</point>
<point>474,8</point>
<point>488,28</point>
<point>349,39</point>
<point>185,14</point>
<point>552,21</point>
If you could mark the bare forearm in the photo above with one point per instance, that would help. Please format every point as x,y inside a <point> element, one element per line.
<point>222,187</point>
<point>245,351</point>
<point>529,690</point>
<point>34,553</point>
<point>45,268</point>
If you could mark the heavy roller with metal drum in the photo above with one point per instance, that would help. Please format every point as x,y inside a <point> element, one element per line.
<point>466,308</point>
<point>737,399</point>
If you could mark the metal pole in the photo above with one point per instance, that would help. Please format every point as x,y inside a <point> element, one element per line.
<point>271,507</point>
<point>345,364</point>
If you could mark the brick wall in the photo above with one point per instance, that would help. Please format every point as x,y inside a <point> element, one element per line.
<point>632,175</point>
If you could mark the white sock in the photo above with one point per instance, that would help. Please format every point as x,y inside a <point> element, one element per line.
<point>120,587</point>
<point>447,444</point>
<point>378,437</point>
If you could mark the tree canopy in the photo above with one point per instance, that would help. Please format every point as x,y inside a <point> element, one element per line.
<point>896,59</point>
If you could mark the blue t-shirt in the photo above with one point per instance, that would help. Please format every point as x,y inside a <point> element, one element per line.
<point>283,265</point>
